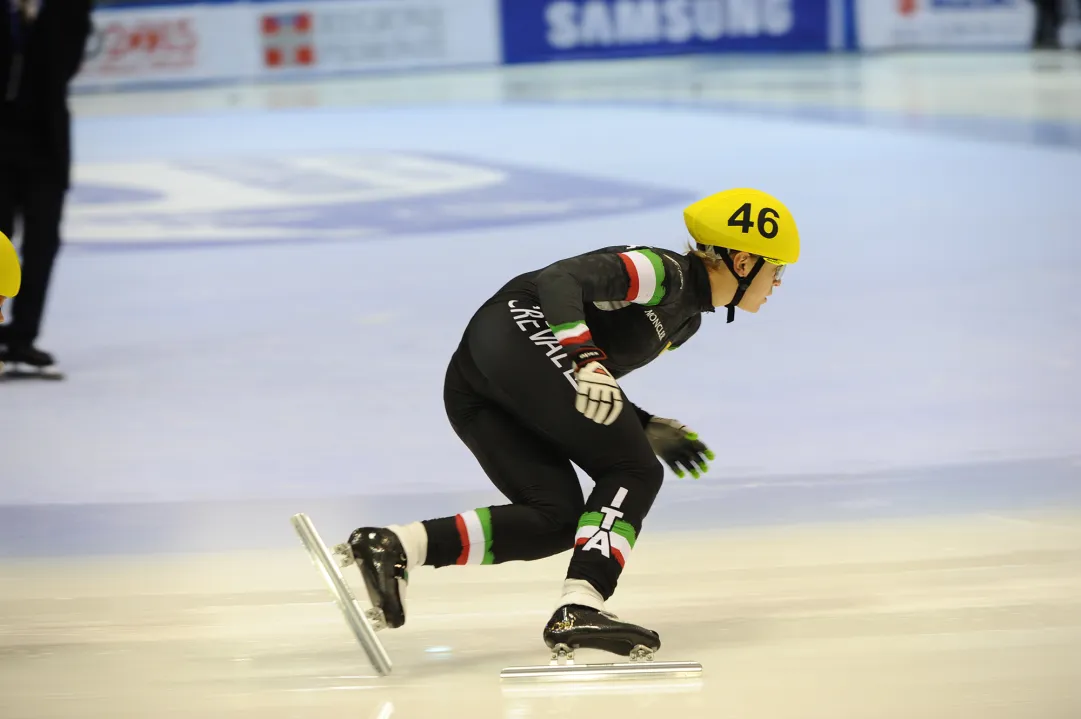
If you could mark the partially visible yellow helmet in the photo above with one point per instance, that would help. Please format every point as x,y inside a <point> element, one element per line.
<point>747,220</point>
<point>11,273</point>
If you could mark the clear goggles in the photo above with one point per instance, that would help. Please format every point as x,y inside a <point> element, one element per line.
<point>779,268</point>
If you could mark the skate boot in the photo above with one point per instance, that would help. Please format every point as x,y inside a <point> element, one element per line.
<point>18,361</point>
<point>574,626</point>
<point>383,566</point>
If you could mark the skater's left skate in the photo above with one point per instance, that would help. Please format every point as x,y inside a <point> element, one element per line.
<point>578,627</point>
<point>363,624</point>
<point>384,567</point>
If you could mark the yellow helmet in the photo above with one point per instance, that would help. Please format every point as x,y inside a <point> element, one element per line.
<point>11,273</point>
<point>747,220</point>
<point>744,220</point>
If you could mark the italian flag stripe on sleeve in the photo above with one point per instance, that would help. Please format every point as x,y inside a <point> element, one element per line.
<point>475,531</point>
<point>646,271</point>
<point>572,333</point>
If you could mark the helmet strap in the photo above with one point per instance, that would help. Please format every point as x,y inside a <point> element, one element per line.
<point>744,282</point>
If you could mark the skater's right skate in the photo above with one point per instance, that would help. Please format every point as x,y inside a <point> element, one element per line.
<point>575,626</point>
<point>383,565</point>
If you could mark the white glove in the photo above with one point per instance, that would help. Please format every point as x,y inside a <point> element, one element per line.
<point>599,396</point>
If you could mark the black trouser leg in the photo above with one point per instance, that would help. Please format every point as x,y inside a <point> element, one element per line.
<point>39,200</point>
<point>1048,22</point>
<point>8,182</point>
<point>7,226</point>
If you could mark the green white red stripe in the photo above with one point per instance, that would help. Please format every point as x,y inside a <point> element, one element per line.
<point>572,333</point>
<point>620,539</point>
<point>646,271</point>
<point>475,531</point>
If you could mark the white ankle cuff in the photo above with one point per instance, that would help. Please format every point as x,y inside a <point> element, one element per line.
<point>414,538</point>
<point>579,591</point>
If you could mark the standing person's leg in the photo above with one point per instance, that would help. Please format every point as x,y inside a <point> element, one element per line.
<point>39,200</point>
<point>42,205</point>
<point>1048,22</point>
<point>8,183</point>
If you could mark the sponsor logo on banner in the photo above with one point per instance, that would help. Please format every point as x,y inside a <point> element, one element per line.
<point>288,40</point>
<point>969,4</point>
<point>944,23</point>
<point>536,30</point>
<point>159,45</point>
<point>340,37</point>
<point>142,46</point>
<point>357,36</point>
<point>638,22</point>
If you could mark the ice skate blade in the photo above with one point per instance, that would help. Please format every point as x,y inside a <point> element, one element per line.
<point>21,371</point>
<point>588,672</point>
<point>356,618</point>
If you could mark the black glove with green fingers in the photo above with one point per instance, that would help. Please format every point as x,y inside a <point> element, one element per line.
<point>678,446</point>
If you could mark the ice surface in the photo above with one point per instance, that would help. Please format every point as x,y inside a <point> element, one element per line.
<point>938,619</point>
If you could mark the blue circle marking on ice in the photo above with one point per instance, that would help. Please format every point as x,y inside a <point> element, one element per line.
<point>349,196</point>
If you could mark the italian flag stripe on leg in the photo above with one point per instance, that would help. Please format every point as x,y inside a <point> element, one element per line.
<point>475,531</point>
<point>485,516</point>
<point>572,333</point>
<point>646,271</point>
<point>463,535</point>
<point>620,539</point>
<point>590,519</point>
<point>621,548</point>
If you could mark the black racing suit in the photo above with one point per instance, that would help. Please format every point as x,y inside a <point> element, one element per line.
<point>510,396</point>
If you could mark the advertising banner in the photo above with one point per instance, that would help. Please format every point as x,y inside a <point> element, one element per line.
<point>365,35</point>
<point>251,40</point>
<point>889,24</point>
<point>544,30</point>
